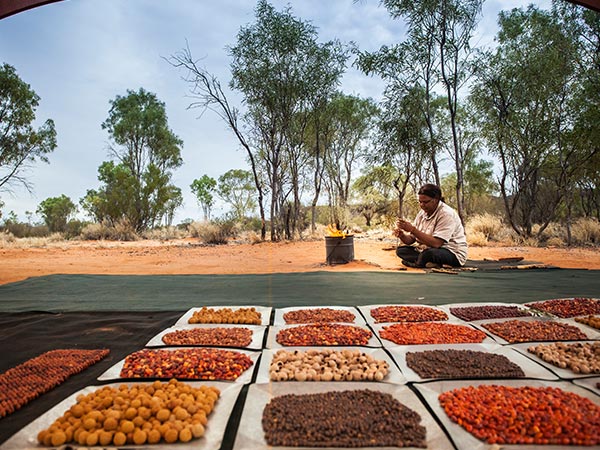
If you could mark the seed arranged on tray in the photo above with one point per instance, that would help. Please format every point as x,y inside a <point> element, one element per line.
<point>326,365</point>
<point>524,415</point>
<point>189,363</point>
<point>356,418</point>
<point>453,363</point>
<point>568,307</point>
<point>395,313</point>
<point>27,381</point>
<point>323,334</point>
<point>137,415</point>
<point>580,357</point>
<point>591,321</point>
<point>470,313</point>
<point>248,316</point>
<point>318,315</point>
<point>217,337</point>
<point>431,333</point>
<point>514,331</point>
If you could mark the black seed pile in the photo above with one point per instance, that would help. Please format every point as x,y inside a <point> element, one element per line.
<point>358,418</point>
<point>462,364</point>
<point>469,313</point>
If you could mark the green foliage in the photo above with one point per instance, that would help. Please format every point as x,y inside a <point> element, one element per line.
<point>203,188</point>
<point>137,188</point>
<point>56,212</point>
<point>236,188</point>
<point>20,144</point>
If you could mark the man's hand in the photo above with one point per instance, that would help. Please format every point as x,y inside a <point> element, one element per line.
<point>405,225</point>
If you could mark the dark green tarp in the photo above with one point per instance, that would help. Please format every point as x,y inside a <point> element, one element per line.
<point>57,293</point>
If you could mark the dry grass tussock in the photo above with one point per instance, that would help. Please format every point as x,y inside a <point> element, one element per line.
<point>7,240</point>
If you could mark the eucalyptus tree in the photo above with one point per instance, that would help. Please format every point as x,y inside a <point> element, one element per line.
<point>204,188</point>
<point>278,66</point>
<point>437,50</point>
<point>523,94</point>
<point>235,187</point>
<point>352,121</point>
<point>56,212</point>
<point>137,182</point>
<point>20,143</point>
<point>403,141</point>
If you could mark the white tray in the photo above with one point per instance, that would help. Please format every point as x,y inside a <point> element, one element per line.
<point>366,311</point>
<point>265,313</point>
<point>565,374</point>
<point>465,440</point>
<point>533,305</point>
<point>479,304</point>
<point>258,334</point>
<point>588,383</point>
<point>273,330</point>
<point>394,376</point>
<point>114,373</point>
<point>529,367</point>
<point>279,312</point>
<point>389,344</point>
<point>587,331</point>
<point>251,436</point>
<point>26,438</point>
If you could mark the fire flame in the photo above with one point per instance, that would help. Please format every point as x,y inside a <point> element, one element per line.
<point>333,231</point>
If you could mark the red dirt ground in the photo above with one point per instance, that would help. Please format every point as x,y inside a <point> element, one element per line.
<point>190,257</point>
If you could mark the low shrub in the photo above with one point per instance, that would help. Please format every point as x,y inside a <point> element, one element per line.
<point>216,232</point>
<point>164,233</point>
<point>586,231</point>
<point>490,226</point>
<point>120,231</point>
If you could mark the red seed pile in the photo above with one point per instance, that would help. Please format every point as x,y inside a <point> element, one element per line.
<point>323,334</point>
<point>431,333</point>
<point>318,315</point>
<point>524,415</point>
<point>396,313</point>
<point>568,307</point>
<point>470,313</point>
<point>192,364</point>
<point>453,363</point>
<point>216,337</point>
<point>248,316</point>
<point>514,331</point>
<point>358,418</point>
<point>27,381</point>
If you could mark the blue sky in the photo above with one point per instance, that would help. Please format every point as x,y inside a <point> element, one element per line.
<point>77,55</point>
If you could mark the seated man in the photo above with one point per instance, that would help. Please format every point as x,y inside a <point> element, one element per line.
<point>437,238</point>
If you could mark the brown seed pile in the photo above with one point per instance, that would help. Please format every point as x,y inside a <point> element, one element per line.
<point>470,313</point>
<point>462,364</point>
<point>318,315</point>
<point>358,418</point>
<point>395,313</point>
<point>514,331</point>
<point>580,357</point>
<point>27,381</point>
<point>568,307</point>
<point>431,333</point>
<point>215,337</point>
<point>138,415</point>
<point>326,365</point>
<point>189,363</point>
<point>323,334</point>
<point>248,316</point>
<point>592,321</point>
